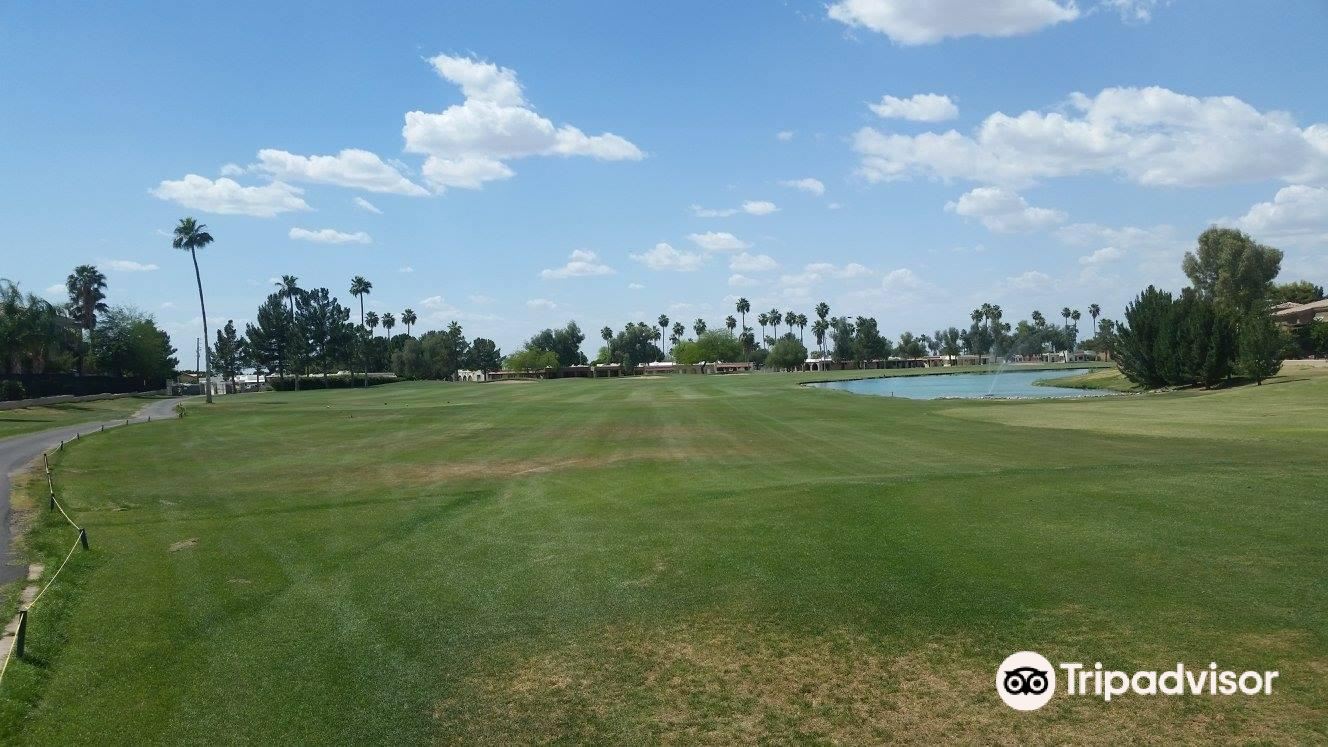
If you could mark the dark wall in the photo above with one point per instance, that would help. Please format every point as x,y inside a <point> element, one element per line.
<point>50,385</point>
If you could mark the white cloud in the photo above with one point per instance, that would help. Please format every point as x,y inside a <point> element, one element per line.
<point>582,263</point>
<point>737,280</point>
<point>817,272</point>
<point>407,269</point>
<point>809,185</point>
<point>665,257</point>
<point>232,169</point>
<point>1030,282</point>
<point>635,286</point>
<point>1152,136</point>
<point>912,22</point>
<point>1296,214</point>
<point>226,197</point>
<point>330,236</point>
<point>784,135</point>
<point>168,305</point>
<point>746,262</point>
<point>922,107</point>
<point>127,265</point>
<point>704,212</point>
<point>1132,10</point>
<point>718,241</point>
<point>367,206</point>
<point>1003,211</point>
<point>759,207</point>
<point>469,143</point>
<point>57,289</point>
<point>481,300</point>
<point>354,168</point>
<point>1102,256</point>
<point>542,304</point>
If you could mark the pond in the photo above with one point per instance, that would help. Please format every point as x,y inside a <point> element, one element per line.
<point>1005,385</point>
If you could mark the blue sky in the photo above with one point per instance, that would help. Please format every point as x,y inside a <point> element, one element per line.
<point>608,162</point>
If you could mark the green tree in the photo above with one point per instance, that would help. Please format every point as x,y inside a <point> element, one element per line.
<point>1300,291</point>
<point>190,235</point>
<point>1140,354</point>
<point>699,326</point>
<point>485,355</point>
<point>742,307</point>
<point>87,298</point>
<point>359,287</point>
<point>564,343</point>
<point>663,329</point>
<point>844,337</point>
<point>128,343</point>
<point>678,332</point>
<point>868,344</point>
<point>408,318</point>
<point>711,346</point>
<point>389,321</point>
<point>227,352</point>
<point>269,338</point>
<point>289,288</point>
<point>787,354</point>
<point>1232,269</point>
<point>1260,346</point>
<point>529,360</point>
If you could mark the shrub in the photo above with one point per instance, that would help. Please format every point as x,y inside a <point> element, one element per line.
<point>332,381</point>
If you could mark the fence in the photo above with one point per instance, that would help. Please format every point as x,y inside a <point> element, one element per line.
<point>21,630</point>
<point>26,386</point>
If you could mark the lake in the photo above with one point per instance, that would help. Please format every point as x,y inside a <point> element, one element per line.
<point>1007,384</point>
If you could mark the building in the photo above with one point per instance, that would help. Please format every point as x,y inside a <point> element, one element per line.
<point>469,375</point>
<point>1292,315</point>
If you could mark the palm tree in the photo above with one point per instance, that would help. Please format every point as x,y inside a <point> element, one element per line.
<point>1075,317</point>
<point>289,286</point>
<point>678,331</point>
<point>359,287</point>
<point>663,328</point>
<point>1065,312</point>
<point>408,318</point>
<point>607,334</point>
<point>763,319</point>
<point>371,321</point>
<point>191,235</point>
<point>822,310</point>
<point>776,316</point>
<point>743,306</point>
<point>87,298</point>
<point>1093,312</point>
<point>699,326</point>
<point>1038,319</point>
<point>389,321</point>
<point>801,321</point>
<point>730,322</point>
<point>819,328</point>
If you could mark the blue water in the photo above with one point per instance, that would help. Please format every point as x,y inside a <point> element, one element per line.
<point>1008,385</point>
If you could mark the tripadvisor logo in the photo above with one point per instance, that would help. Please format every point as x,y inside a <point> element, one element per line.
<point>1026,681</point>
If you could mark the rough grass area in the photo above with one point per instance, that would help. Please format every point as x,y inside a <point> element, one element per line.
<point>30,419</point>
<point>697,560</point>
<point>1105,378</point>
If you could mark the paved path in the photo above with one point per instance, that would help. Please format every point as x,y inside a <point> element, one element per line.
<point>17,451</point>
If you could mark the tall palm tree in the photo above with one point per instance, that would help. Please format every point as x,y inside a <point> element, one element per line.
<point>678,332</point>
<point>743,306</point>
<point>699,326</point>
<point>763,319</point>
<point>819,328</point>
<point>1075,317</point>
<point>389,321</point>
<point>371,321</point>
<point>801,321</point>
<point>87,298</point>
<point>359,287</point>
<point>1093,312</point>
<point>776,316</point>
<point>822,310</point>
<point>730,322</point>
<point>1038,319</point>
<point>408,318</point>
<point>663,329</point>
<point>607,334</point>
<point>1065,312</point>
<point>289,287</point>
<point>191,235</point>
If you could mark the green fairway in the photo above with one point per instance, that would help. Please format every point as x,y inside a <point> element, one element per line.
<point>718,559</point>
<point>29,419</point>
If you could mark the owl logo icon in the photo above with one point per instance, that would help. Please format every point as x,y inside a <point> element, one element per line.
<point>1025,680</point>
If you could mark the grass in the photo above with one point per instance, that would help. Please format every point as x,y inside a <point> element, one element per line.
<point>30,419</point>
<point>1102,378</point>
<point>685,559</point>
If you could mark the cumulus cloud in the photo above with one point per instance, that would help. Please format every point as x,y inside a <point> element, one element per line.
<point>784,136</point>
<point>1296,214</point>
<point>1003,211</point>
<point>1152,136</point>
<point>330,236</point>
<point>366,206</point>
<point>635,286</point>
<point>746,262</point>
<point>354,168</point>
<point>809,185</point>
<point>541,304</point>
<point>665,257</point>
<point>759,207</point>
<point>718,241</point>
<point>922,107</point>
<point>581,263</point>
<point>1031,281</point>
<point>1102,256</point>
<point>226,197</point>
<point>469,143</point>
<point>817,272</point>
<point>406,269</point>
<point>704,212</point>
<point>911,22</point>
<point>737,280</point>
<point>128,265</point>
